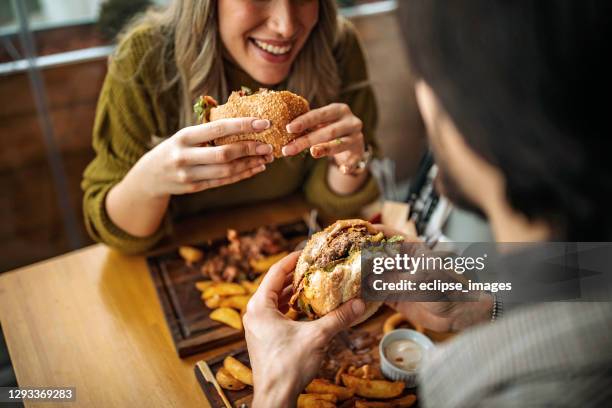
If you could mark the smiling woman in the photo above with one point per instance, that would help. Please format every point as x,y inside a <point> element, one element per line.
<point>151,157</point>
<point>264,37</point>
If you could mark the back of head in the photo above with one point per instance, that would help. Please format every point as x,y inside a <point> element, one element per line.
<point>525,82</point>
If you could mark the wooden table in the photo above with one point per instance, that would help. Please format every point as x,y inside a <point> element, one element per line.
<point>91,319</point>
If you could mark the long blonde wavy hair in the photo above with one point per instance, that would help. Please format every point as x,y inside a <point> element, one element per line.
<point>191,54</point>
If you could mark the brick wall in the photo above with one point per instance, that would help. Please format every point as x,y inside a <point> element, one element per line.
<point>30,221</point>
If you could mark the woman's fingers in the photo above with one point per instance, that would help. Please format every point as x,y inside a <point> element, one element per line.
<point>346,126</point>
<point>310,119</point>
<point>217,171</point>
<point>352,142</point>
<point>324,134</point>
<point>198,134</point>
<point>207,184</point>
<point>193,156</point>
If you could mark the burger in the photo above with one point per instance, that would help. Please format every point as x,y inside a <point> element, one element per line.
<point>328,272</point>
<point>279,107</point>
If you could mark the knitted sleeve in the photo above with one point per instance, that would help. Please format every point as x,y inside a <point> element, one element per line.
<point>124,124</point>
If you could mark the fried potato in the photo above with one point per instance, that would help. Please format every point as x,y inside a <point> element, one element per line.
<point>228,316</point>
<point>238,370</point>
<point>190,254</point>
<point>395,320</point>
<point>365,371</point>
<point>341,370</point>
<point>203,285</point>
<point>227,381</point>
<point>223,289</point>
<point>322,386</point>
<point>373,388</point>
<point>262,265</point>
<point>213,302</point>
<point>238,302</point>
<point>316,401</point>
<point>251,287</point>
<point>403,402</point>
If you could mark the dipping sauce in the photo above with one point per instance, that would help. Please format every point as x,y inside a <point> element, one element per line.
<point>404,354</point>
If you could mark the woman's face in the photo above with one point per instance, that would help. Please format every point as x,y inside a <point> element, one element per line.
<point>265,36</point>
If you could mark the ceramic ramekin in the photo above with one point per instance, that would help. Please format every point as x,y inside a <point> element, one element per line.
<point>392,372</point>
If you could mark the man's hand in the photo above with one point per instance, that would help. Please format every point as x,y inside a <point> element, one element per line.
<point>446,316</point>
<point>441,316</point>
<point>285,354</point>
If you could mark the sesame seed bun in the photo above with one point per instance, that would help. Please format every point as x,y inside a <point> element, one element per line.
<point>279,107</point>
<point>328,271</point>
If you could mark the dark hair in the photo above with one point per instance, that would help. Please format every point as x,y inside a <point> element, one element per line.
<point>523,82</point>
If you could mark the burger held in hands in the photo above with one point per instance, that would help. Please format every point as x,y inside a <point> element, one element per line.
<point>328,272</point>
<point>278,107</point>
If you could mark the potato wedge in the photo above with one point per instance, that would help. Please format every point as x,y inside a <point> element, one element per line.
<point>223,289</point>
<point>341,370</point>
<point>190,254</point>
<point>395,320</point>
<point>323,386</point>
<point>361,372</point>
<point>227,381</point>
<point>316,401</point>
<point>203,285</point>
<point>228,316</point>
<point>262,265</point>
<point>238,302</point>
<point>251,287</point>
<point>403,402</point>
<point>213,302</point>
<point>373,388</point>
<point>392,322</point>
<point>238,370</point>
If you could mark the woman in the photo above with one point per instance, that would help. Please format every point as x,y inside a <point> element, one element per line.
<point>149,167</point>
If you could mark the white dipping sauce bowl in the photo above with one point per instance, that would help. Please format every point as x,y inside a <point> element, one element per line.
<point>388,369</point>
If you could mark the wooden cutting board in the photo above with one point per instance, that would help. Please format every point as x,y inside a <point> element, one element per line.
<point>236,399</point>
<point>186,314</point>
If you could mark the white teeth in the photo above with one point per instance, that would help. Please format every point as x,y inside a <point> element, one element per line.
<point>273,49</point>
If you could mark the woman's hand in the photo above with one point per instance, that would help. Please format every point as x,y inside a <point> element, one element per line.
<point>285,354</point>
<point>333,131</point>
<point>181,165</point>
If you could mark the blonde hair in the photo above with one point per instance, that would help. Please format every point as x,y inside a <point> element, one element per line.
<point>191,54</point>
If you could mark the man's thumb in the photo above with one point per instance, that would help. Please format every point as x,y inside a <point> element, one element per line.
<point>342,317</point>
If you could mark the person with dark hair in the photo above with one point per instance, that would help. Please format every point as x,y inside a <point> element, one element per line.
<point>508,91</point>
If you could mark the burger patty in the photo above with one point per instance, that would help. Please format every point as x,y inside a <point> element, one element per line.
<point>340,246</point>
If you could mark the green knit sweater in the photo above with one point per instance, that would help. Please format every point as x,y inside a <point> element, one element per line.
<point>132,113</point>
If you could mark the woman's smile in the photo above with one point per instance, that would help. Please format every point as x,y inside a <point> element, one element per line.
<point>273,51</point>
